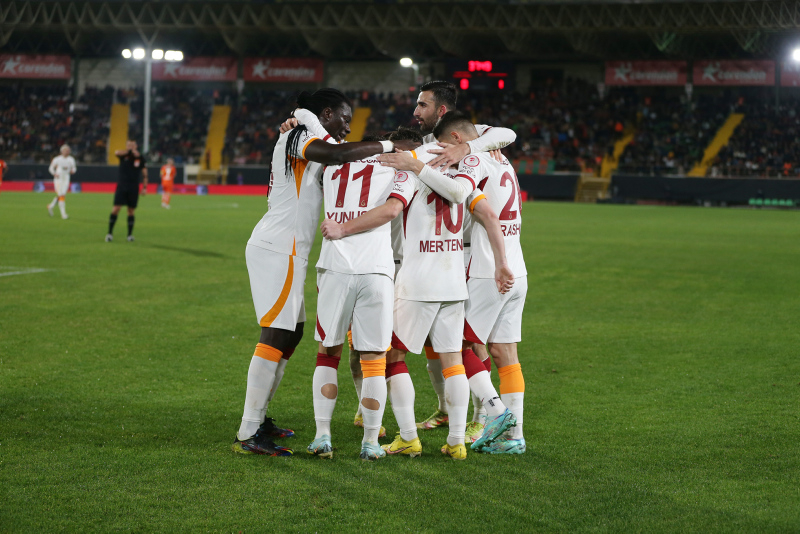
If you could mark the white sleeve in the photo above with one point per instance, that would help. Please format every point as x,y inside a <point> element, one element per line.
<point>72,163</point>
<point>422,152</point>
<point>311,121</point>
<point>403,187</point>
<point>491,139</point>
<point>52,168</point>
<point>453,189</point>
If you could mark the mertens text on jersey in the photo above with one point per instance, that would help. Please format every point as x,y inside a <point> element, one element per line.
<point>446,245</point>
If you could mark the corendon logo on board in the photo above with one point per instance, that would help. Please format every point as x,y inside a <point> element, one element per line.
<point>734,72</point>
<point>38,67</point>
<point>196,69</point>
<point>646,72</point>
<point>281,69</point>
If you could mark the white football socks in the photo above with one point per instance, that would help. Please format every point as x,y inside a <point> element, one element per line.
<point>434,367</point>
<point>515,403</point>
<point>478,411</point>
<point>373,388</point>
<point>482,387</point>
<point>260,377</point>
<point>324,378</point>
<point>456,389</point>
<point>401,395</point>
<point>277,381</point>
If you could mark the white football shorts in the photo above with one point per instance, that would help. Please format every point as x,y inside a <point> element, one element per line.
<point>491,317</point>
<point>61,185</point>
<point>415,320</point>
<point>363,300</point>
<point>276,282</point>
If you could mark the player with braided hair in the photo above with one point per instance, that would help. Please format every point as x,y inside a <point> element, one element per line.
<point>278,249</point>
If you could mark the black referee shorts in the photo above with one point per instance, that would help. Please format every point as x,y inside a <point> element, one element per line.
<point>126,197</point>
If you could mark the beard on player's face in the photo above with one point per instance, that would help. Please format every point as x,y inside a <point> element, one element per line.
<point>426,126</point>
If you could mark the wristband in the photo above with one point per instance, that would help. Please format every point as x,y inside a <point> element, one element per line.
<point>388,146</point>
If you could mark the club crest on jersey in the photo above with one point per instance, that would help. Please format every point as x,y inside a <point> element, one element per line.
<point>401,177</point>
<point>472,161</point>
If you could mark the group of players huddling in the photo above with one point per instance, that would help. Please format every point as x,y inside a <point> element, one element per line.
<point>421,249</point>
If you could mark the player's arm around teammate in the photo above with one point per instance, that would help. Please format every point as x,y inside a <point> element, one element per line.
<point>491,140</point>
<point>340,153</point>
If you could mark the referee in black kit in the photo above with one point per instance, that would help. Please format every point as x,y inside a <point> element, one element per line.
<point>131,168</point>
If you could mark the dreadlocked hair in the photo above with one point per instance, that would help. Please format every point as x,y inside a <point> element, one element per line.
<point>316,103</point>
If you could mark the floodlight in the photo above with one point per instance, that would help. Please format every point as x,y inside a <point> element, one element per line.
<point>158,54</point>
<point>138,53</point>
<point>126,53</point>
<point>796,54</point>
<point>173,55</point>
<point>406,62</point>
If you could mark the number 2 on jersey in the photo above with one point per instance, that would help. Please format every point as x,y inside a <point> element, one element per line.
<point>507,214</point>
<point>343,175</point>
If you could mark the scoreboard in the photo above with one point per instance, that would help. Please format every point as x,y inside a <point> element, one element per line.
<point>481,75</point>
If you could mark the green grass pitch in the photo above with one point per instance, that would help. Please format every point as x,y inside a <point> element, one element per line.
<point>660,357</point>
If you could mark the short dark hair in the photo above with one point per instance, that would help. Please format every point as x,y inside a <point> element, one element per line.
<point>453,120</point>
<point>368,138</point>
<point>444,93</point>
<point>405,134</point>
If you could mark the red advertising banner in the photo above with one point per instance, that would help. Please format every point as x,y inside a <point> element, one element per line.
<point>646,72</point>
<point>196,69</point>
<point>734,72</point>
<point>790,74</point>
<point>282,69</point>
<point>38,67</point>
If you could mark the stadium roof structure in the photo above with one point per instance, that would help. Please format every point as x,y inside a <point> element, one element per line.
<point>532,30</point>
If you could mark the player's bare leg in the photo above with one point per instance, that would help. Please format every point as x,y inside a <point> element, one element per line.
<point>400,391</point>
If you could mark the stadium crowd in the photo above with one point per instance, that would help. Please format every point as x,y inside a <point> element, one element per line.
<point>36,120</point>
<point>766,143</point>
<point>566,123</point>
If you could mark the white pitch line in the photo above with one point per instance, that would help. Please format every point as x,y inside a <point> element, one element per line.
<point>26,271</point>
